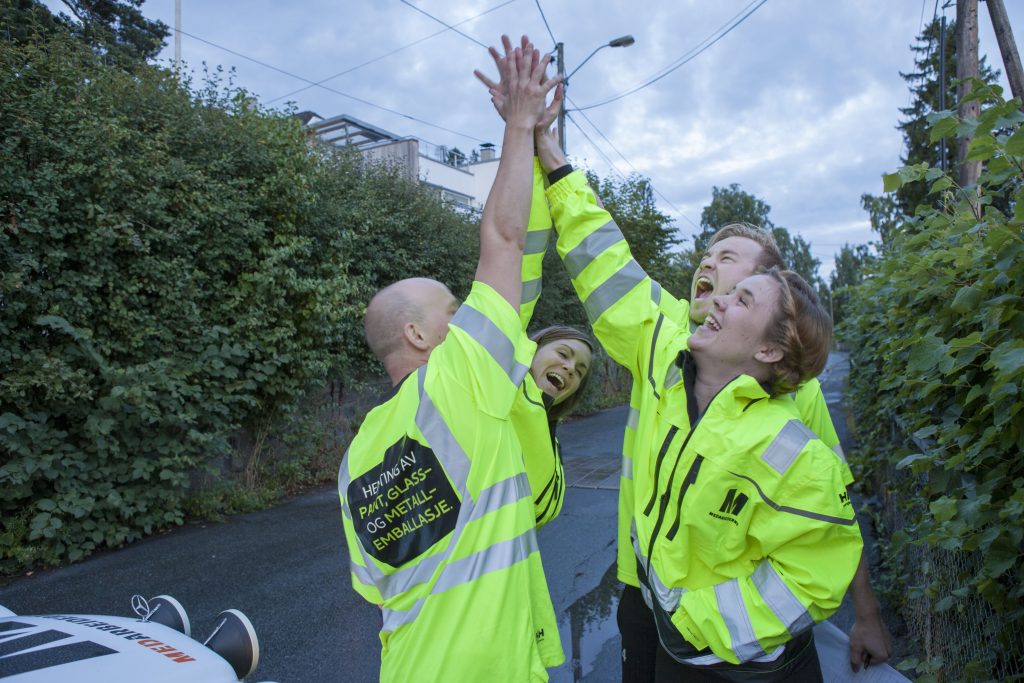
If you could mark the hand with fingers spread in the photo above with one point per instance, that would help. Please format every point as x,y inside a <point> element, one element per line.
<point>519,98</point>
<point>499,90</point>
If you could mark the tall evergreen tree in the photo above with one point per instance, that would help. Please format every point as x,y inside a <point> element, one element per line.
<point>930,52</point>
<point>115,29</point>
<point>851,266</point>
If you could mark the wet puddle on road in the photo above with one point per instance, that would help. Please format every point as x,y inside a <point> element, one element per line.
<point>591,623</point>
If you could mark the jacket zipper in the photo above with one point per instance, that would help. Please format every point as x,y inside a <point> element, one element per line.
<point>657,468</point>
<point>686,482</point>
<point>663,507</point>
<point>690,478</point>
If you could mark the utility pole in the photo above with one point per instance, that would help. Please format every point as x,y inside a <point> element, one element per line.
<point>966,67</point>
<point>560,56</point>
<point>621,41</point>
<point>177,37</point>
<point>1008,48</point>
<point>942,85</point>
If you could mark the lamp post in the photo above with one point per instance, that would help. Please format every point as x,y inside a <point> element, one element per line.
<point>622,41</point>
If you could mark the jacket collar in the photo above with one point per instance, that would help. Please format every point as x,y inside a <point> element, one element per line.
<point>743,391</point>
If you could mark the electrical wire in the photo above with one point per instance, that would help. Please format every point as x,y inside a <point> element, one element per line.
<point>546,25</point>
<point>383,56</point>
<point>818,247</point>
<point>449,26</point>
<point>597,149</point>
<point>634,168</point>
<point>688,56</point>
<point>330,89</point>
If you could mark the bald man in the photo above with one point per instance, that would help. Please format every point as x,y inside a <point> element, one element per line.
<point>436,504</point>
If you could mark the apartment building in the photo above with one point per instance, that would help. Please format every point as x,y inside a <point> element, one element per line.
<point>462,178</point>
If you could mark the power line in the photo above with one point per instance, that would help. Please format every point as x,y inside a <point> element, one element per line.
<point>597,149</point>
<point>722,31</point>
<point>330,89</point>
<point>383,56</point>
<point>819,247</point>
<point>623,157</point>
<point>548,27</point>
<point>450,27</point>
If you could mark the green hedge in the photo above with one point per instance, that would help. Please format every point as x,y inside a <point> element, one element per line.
<point>937,339</point>
<point>174,266</point>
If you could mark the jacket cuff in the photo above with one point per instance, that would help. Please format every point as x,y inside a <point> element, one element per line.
<point>567,186</point>
<point>559,173</point>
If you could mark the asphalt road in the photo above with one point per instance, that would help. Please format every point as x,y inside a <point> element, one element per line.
<point>287,569</point>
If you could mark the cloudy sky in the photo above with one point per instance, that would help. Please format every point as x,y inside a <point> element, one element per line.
<point>797,104</point>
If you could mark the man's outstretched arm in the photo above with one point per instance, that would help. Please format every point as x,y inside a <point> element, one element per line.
<point>502,227</point>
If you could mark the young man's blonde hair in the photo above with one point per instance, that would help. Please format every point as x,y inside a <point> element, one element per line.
<point>770,256</point>
<point>801,328</point>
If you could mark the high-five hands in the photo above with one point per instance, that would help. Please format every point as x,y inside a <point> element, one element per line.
<point>523,63</point>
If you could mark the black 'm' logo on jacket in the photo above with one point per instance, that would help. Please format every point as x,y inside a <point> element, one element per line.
<point>731,506</point>
<point>733,503</point>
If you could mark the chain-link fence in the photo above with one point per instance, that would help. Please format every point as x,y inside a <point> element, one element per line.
<point>956,632</point>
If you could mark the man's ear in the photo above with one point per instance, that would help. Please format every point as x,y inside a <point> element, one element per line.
<point>414,335</point>
<point>769,354</point>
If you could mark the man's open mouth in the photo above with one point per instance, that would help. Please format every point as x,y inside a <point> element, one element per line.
<point>711,323</point>
<point>703,288</point>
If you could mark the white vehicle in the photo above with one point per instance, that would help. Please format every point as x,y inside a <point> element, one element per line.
<point>155,647</point>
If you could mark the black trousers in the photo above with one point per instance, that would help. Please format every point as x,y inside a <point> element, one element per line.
<point>639,637</point>
<point>797,664</point>
<point>645,661</point>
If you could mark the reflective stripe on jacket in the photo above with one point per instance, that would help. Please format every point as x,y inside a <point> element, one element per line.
<point>810,402</point>
<point>622,303</point>
<point>438,513</point>
<point>530,411</point>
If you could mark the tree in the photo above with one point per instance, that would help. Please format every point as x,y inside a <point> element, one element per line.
<point>884,213</point>
<point>796,252</point>
<point>923,83</point>
<point>732,205</point>
<point>650,234</point>
<point>115,29</point>
<point>454,157</point>
<point>174,266</point>
<point>937,366</point>
<point>851,266</point>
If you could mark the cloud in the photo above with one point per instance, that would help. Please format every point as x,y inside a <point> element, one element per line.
<point>798,104</point>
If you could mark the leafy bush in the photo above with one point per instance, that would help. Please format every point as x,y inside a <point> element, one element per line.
<point>937,338</point>
<point>173,267</point>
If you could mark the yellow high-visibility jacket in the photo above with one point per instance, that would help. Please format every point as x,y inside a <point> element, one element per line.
<point>721,613</point>
<point>535,430</point>
<point>810,405</point>
<point>439,516</point>
<point>809,399</point>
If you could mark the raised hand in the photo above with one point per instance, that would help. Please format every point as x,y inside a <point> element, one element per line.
<point>499,90</point>
<point>545,142</point>
<point>527,86</point>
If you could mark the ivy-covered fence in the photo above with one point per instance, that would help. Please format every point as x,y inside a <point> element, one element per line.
<point>175,267</point>
<point>937,384</point>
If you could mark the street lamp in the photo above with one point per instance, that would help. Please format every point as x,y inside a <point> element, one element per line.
<point>621,41</point>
